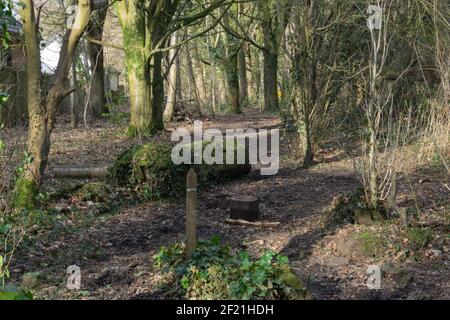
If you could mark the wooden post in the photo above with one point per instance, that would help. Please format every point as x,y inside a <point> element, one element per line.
<point>191,213</point>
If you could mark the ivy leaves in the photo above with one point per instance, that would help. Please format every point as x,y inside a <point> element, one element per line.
<point>216,272</point>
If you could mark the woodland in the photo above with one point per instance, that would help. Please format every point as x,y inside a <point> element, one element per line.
<point>353,97</point>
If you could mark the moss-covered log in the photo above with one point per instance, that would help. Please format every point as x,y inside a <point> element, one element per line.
<point>150,167</point>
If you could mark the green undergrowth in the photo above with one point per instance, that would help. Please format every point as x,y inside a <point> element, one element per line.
<point>215,271</point>
<point>150,170</point>
<point>353,208</point>
<point>419,237</point>
<point>371,244</point>
<point>14,293</point>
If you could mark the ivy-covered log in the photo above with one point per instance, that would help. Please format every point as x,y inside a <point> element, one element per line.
<point>150,168</point>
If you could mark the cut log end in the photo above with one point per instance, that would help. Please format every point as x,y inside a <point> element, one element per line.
<point>244,208</point>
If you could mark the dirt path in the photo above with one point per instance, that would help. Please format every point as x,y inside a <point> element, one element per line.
<point>115,256</point>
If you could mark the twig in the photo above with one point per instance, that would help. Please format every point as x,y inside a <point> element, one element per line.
<point>260,224</point>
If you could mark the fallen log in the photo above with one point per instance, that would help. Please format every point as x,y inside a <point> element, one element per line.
<point>259,224</point>
<point>81,171</point>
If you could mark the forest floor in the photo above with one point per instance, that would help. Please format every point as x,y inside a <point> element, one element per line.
<point>114,250</point>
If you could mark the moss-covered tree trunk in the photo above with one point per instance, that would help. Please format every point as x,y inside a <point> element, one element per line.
<point>140,101</point>
<point>143,66</point>
<point>133,27</point>
<point>27,185</point>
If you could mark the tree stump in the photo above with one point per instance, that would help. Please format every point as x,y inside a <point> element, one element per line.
<point>244,208</point>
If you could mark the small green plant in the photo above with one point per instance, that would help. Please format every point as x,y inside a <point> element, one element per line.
<point>7,243</point>
<point>94,191</point>
<point>216,272</point>
<point>20,170</point>
<point>14,293</point>
<point>419,236</point>
<point>3,98</point>
<point>9,240</point>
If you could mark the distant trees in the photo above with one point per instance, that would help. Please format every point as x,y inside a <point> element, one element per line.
<point>147,27</point>
<point>312,45</point>
<point>318,56</point>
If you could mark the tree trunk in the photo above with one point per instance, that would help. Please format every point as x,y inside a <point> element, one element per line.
<point>191,75</point>
<point>140,102</point>
<point>42,115</point>
<point>255,73</point>
<point>178,91</point>
<point>373,182</point>
<point>231,68</point>
<point>213,95</point>
<point>270,80</point>
<point>144,69</point>
<point>157,101</point>
<point>243,82</point>
<point>261,96</point>
<point>97,101</point>
<point>173,81</point>
<point>200,71</point>
<point>74,99</point>
<point>309,154</point>
<point>232,78</point>
<point>138,79</point>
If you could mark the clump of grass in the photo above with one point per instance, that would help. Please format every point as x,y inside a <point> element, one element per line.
<point>370,244</point>
<point>419,236</point>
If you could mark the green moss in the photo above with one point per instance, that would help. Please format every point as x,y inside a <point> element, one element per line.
<point>121,170</point>
<point>131,131</point>
<point>24,195</point>
<point>150,168</point>
<point>370,244</point>
<point>149,130</point>
<point>300,291</point>
<point>94,191</point>
<point>419,236</point>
